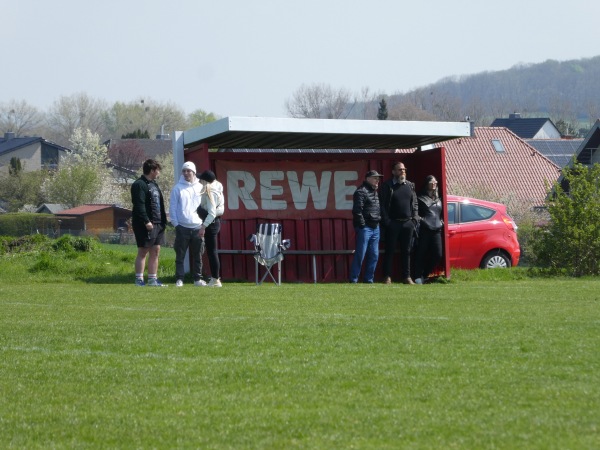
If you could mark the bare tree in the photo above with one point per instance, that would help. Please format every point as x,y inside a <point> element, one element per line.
<point>318,101</point>
<point>369,103</point>
<point>20,118</point>
<point>76,111</point>
<point>127,154</point>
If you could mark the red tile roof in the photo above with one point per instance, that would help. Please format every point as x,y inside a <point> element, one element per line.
<point>85,209</point>
<point>520,173</point>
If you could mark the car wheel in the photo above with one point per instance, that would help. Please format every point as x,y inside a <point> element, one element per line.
<point>495,260</point>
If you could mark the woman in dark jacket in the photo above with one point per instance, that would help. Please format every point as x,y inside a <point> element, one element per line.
<point>429,249</point>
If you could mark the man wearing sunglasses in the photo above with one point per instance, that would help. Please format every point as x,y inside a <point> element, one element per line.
<point>400,215</point>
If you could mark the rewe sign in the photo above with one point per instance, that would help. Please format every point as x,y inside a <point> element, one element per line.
<point>289,190</point>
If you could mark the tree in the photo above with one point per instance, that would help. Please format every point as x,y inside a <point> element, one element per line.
<point>200,117</point>
<point>74,185</point>
<point>83,176</point>
<point>365,104</point>
<point>76,111</point>
<point>167,176</point>
<point>570,243</point>
<point>22,188</point>
<point>144,114</point>
<point>137,134</point>
<point>19,118</point>
<point>15,166</point>
<point>127,154</point>
<point>382,112</point>
<point>318,101</point>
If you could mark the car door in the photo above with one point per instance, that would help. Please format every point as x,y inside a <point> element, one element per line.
<point>475,230</point>
<point>454,234</point>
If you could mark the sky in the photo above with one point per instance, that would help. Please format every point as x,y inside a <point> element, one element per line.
<point>247,57</point>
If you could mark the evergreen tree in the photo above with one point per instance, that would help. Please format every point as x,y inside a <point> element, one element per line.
<point>382,113</point>
<point>15,166</point>
<point>137,134</point>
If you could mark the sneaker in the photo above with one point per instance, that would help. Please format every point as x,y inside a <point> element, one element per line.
<point>199,283</point>
<point>214,282</point>
<point>154,282</point>
<point>387,280</point>
<point>179,283</point>
<point>140,282</point>
<point>418,281</point>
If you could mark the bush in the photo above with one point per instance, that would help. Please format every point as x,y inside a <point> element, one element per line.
<point>24,244</point>
<point>68,243</point>
<point>570,243</point>
<point>20,224</point>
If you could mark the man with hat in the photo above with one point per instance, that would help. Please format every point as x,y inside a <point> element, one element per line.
<point>185,199</point>
<point>366,216</point>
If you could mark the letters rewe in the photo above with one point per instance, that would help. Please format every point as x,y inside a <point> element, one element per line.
<point>300,190</point>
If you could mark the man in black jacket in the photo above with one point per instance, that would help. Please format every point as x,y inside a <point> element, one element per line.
<point>148,220</point>
<point>400,215</point>
<point>366,215</point>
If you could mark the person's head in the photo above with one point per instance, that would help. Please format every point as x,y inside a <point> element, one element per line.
<point>399,171</point>
<point>151,169</point>
<point>373,178</point>
<point>207,177</point>
<point>430,185</point>
<point>188,170</point>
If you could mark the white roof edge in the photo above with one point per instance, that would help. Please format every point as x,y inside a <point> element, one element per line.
<point>326,126</point>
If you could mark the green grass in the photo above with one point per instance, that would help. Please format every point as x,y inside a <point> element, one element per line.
<point>492,359</point>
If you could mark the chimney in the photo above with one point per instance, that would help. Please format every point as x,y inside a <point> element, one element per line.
<point>515,115</point>
<point>9,135</point>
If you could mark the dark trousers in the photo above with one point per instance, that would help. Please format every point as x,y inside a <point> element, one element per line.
<point>398,232</point>
<point>429,251</point>
<point>212,247</point>
<point>188,238</point>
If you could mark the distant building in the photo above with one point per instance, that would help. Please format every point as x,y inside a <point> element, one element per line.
<point>92,218</point>
<point>529,128</point>
<point>588,152</point>
<point>50,208</point>
<point>559,151</point>
<point>495,164</point>
<point>35,153</point>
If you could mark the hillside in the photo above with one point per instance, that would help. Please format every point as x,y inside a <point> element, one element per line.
<point>564,91</point>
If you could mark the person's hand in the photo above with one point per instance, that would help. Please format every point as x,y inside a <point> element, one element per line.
<point>149,226</point>
<point>201,231</point>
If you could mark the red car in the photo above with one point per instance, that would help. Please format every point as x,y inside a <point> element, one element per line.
<point>481,234</point>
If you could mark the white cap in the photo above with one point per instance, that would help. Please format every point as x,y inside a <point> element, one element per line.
<point>189,165</point>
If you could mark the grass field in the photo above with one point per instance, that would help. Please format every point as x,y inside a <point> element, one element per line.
<point>493,359</point>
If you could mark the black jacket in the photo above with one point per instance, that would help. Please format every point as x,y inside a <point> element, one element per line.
<point>146,197</point>
<point>386,190</point>
<point>365,207</point>
<point>430,211</point>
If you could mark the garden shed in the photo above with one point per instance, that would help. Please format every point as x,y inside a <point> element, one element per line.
<point>302,173</point>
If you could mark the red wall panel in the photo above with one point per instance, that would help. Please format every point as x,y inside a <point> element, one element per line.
<point>308,233</point>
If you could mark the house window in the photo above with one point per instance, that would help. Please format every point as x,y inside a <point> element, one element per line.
<point>498,146</point>
<point>49,157</point>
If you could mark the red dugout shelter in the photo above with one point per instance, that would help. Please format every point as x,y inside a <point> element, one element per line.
<point>302,173</point>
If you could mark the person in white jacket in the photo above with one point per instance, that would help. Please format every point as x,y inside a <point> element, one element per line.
<point>211,209</point>
<point>185,200</point>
